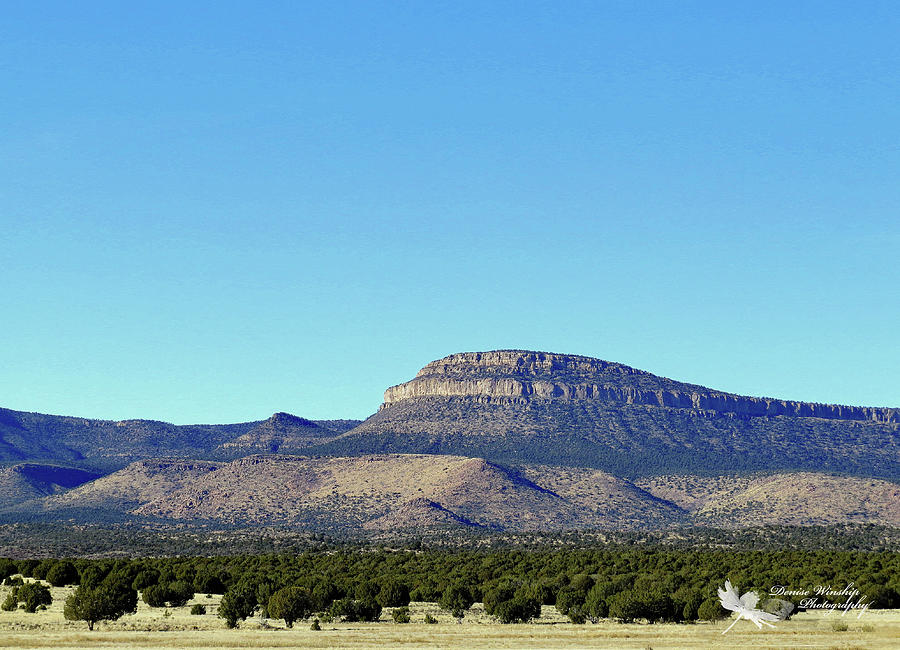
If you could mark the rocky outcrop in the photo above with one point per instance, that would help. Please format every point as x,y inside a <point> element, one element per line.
<point>523,375</point>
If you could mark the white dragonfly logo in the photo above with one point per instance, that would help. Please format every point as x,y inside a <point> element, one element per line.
<point>745,606</point>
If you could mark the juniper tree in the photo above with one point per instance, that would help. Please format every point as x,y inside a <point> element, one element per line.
<point>291,604</point>
<point>107,602</point>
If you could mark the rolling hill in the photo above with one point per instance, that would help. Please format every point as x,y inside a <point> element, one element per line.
<point>408,492</point>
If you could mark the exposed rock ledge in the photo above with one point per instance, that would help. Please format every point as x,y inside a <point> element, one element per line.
<point>525,375</point>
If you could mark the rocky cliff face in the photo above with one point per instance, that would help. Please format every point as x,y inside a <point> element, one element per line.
<point>523,375</point>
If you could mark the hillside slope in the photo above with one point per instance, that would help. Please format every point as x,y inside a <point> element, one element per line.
<point>372,492</point>
<point>115,495</point>
<point>350,492</point>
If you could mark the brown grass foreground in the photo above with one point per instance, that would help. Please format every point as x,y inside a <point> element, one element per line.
<point>155,628</point>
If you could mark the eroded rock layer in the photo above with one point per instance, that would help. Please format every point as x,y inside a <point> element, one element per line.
<point>518,374</point>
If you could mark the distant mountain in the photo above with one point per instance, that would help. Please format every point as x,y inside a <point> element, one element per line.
<point>508,440</point>
<point>516,406</point>
<point>286,433</point>
<point>108,445</point>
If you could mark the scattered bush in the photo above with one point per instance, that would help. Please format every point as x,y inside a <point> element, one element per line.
<point>62,573</point>
<point>350,610</point>
<point>198,610</point>
<point>12,601</point>
<point>430,620</point>
<point>400,615</point>
<point>457,599</point>
<point>33,595</point>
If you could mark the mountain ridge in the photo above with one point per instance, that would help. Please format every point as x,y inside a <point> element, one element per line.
<point>538,374</point>
<point>519,406</point>
<point>511,406</point>
<point>106,445</point>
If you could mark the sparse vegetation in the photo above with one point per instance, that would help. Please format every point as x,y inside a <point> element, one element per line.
<point>644,583</point>
<point>31,595</point>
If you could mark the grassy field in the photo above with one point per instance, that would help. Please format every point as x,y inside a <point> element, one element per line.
<point>177,628</point>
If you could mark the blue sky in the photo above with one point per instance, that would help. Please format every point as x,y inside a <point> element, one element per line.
<point>217,211</point>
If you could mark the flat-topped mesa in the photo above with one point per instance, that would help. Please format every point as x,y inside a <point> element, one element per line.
<point>523,375</point>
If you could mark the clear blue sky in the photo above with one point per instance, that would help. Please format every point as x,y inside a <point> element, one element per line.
<point>216,211</point>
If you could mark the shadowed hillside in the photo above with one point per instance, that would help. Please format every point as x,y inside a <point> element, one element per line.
<point>30,481</point>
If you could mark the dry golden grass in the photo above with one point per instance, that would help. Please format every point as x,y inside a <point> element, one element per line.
<point>152,628</point>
